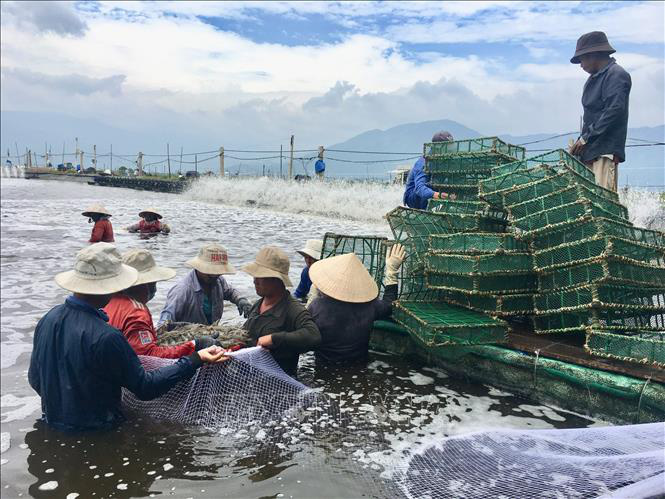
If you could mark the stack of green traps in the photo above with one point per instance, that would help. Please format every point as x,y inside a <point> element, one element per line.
<point>371,250</point>
<point>457,167</point>
<point>487,272</point>
<point>439,324</point>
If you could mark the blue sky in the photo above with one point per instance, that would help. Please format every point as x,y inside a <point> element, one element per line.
<point>255,72</point>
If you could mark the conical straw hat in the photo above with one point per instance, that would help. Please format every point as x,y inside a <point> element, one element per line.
<point>150,210</point>
<point>344,278</point>
<point>96,208</point>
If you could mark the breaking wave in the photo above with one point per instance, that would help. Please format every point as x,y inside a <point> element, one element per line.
<point>364,201</point>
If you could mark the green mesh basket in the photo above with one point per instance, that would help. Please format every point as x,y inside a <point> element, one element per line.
<point>588,227</point>
<point>602,296</point>
<point>440,324</point>
<point>413,227</point>
<point>587,250</point>
<point>470,178</point>
<point>570,194</point>
<point>465,163</point>
<point>602,271</point>
<point>536,189</point>
<point>466,208</point>
<point>545,221</point>
<point>494,188</point>
<point>612,319</point>
<point>412,281</point>
<point>558,160</point>
<point>491,283</point>
<point>493,304</point>
<point>630,346</point>
<point>462,192</point>
<point>369,249</point>
<point>477,243</point>
<point>480,146</point>
<point>497,263</point>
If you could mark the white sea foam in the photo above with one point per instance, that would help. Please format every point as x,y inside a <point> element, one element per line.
<point>25,406</point>
<point>4,442</point>
<point>645,208</point>
<point>364,201</point>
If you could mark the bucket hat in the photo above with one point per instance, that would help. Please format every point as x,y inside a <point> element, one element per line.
<point>96,208</point>
<point>212,259</point>
<point>270,261</point>
<point>596,41</point>
<point>344,278</point>
<point>144,263</point>
<point>442,136</point>
<point>313,248</point>
<point>150,210</point>
<point>98,270</point>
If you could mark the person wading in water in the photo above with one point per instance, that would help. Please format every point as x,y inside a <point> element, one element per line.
<point>102,231</point>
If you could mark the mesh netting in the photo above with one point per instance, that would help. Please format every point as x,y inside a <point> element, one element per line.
<point>474,162</point>
<point>618,320</point>
<point>466,178</point>
<point>439,324</point>
<point>371,250</point>
<point>603,295</point>
<point>502,305</point>
<point>592,249</point>
<point>602,271</point>
<point>481,146</point>
<point>477,243</point>
<point>644,347</point>
<point>591,462</point>
<point>502,263</point>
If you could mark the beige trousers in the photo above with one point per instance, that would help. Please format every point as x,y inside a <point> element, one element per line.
<point>605,171</point>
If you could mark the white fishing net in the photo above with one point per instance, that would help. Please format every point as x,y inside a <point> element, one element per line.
<point>252,402</point>
<point>614,461</point>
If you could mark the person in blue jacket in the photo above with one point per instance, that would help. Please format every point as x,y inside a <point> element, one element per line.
<point>418,190</point>
<point>312,254</point>
<point>80,363</point>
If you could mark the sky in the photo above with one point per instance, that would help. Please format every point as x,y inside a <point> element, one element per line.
<point>250,74</point>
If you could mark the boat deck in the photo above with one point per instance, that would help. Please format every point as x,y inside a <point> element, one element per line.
<point>569,350</point>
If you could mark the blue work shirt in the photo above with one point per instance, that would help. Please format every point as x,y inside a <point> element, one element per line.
<point>305,284</point>
<point>80,363</point>
<point>417,191</point>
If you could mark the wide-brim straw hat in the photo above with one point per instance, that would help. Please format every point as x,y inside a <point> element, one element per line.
<point>344,278</point>
<point>596,41</point>
<point>144,263</point>
<point>150,210</point>
<point>212,259</point>
<point>96,208</point>
<point>270,261</point>
<point>313,248</point>
<point>98,271</point>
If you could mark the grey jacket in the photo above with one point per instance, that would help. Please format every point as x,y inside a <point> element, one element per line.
<point>184,301</point>
<point>605,102</point>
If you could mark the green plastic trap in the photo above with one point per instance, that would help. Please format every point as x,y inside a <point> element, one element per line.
<point>568,195</point>
<point>462,192</point>
<point>478,146</point>
<point>496,284</point>
<point>589,227</point>
<point>475,162</point>
<point>371,250</point>
<point>630,346</point>
<point>598,296</point>
<point>609,247</point>
<point>468,178</point>
<point>617,320</point>
<point>439,324</point>
<point>504,305</point>
<point>477,243</point>
<point>601,271</point>
<point>490,265</point>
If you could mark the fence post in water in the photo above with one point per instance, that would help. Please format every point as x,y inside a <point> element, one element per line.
<point>111,158</point>
<point>34,155</point>
<point>291,160</point>
<point>139,164</point>
<point>45,155</point>
<point>196,163</point>
<point>180,166</point>
<point>81,163</point>
<point>281,155</point>
<point>221,162</point>
<point>168,158</point>
<point>94,156</point>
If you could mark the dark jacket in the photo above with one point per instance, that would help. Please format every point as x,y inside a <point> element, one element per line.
<point>79,364</point>
<point>605,102</point>
<point>345,327</point>
<point>417,191</point>
<point>292,328</point>
<point>304,286</point>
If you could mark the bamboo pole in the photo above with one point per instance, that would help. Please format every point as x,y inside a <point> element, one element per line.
<point>168,158</point>
<point>221,162</point>
<point>291,160</point>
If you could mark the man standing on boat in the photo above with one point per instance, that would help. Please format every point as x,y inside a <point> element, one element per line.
<point>602,144</point>
<point>199,296</point>
<point>418,190</point>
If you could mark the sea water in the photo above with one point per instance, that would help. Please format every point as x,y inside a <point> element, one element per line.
<point>41,230</point>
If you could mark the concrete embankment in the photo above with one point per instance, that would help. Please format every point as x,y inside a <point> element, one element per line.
<point>141,183</point>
